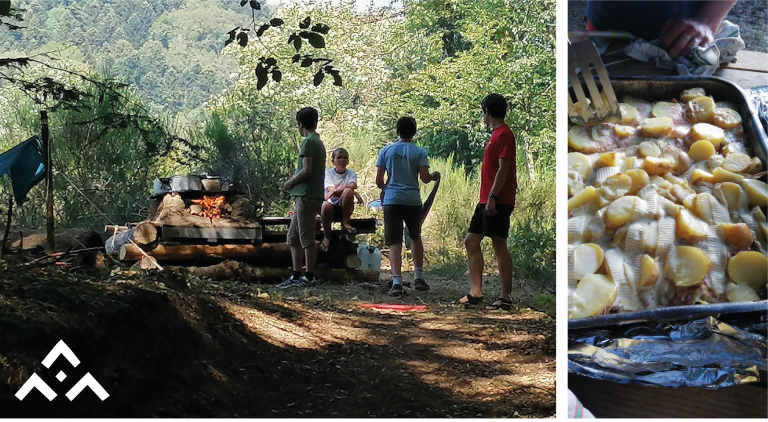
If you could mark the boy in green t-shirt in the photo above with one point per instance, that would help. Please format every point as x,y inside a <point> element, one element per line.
<point>307,190</point>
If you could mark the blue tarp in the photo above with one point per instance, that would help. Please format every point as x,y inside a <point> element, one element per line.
<point>25,166</point>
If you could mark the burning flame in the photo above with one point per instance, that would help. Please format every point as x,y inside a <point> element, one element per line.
<point>211,205</point>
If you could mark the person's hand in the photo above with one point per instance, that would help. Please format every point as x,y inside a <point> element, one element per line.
<point>490,207</point>
<point>287,185</point>
<point>680,36</point>
<point>435,176</point>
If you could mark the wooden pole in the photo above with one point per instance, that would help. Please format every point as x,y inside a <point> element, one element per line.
<point>48,180</point>
<point>7,227</point>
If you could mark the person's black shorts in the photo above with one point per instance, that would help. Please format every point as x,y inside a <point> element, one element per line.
<point>395,216</point>
<point>338,213</point>
<point>498,225</point>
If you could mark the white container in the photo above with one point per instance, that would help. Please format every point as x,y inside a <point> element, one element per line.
<point>371,258</point>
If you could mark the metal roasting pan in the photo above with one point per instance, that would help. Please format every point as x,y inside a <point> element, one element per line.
<point>657,88</point>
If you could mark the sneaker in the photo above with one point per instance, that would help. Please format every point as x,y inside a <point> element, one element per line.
<point>291,283</point>
<point>420,284</point>
<point>286,283</point>
<point>396,290</point>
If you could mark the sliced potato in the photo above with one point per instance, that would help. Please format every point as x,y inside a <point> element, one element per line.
<point>733,147</point>
<point>689,94</point>
<point>588,258</point>
<point>620,212</point>
<point>690,202</point>
<point>609,159</point>
<point>722,175</point>
<point>639,178</point>
<point>659,182</point>
<point>726,118</point>
<point>700,110</point>
<point>661,109</point>
<point>737,235</point>
<point>686,265</point>
<point>688,226</point>
<point>715,161</point>
<point>579,162</point>
<point>602,132</point>
<point>593,294</point>
<point>657,126</point>
<point>737,162</point>
<point>658,166</point>
<point>729,194</point>
<point>580,139</point>
<point>757,191</point>
<point>679,193</point>
<point>704,204</point>
<point>615,186</point>
<point>740,293</point>
<point>760,217</point>
<point>589,194</point>
<point>628,113</point>
<point>756,167</point>
<point>707,132</point>
<point>648,149</point>
<point>651,240</point>
<point>624,131</point>
<point>649,271</point>
<point>750,268</point>
<point>575,183</point>
<point>671,178</point>
<point>701,150</point>
<point>725,104</point>
<point>702,175</point>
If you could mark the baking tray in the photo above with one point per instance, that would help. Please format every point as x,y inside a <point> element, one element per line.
<point>656,88</point>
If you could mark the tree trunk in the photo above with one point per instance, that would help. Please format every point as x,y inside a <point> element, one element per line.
<point>352,261</point>
<point>529,159</point>
<point>7,227</point>
<point>48,180</point>
<point>115,229</point>
<point>161,252</point>
<point>233,270</point>
<point>145,234</point>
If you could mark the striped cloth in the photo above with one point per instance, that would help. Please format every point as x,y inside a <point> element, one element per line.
<point>576,410</point>
<point>702,61</point>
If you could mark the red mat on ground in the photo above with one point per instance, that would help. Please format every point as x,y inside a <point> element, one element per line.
<point>393,306</point>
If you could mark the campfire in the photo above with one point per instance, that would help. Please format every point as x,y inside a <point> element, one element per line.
<point>211,206</point>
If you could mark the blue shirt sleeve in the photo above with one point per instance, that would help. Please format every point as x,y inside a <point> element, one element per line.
<point>423,159</point>
<point>381,162</point>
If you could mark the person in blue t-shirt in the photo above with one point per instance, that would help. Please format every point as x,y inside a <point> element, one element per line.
<point>404,163</point>
<point>680,26</point>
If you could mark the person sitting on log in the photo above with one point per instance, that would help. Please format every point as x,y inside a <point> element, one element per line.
<point>340,194</point>
<point>404,163</point>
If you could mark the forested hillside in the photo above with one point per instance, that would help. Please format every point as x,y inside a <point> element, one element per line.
<point>169,49</point>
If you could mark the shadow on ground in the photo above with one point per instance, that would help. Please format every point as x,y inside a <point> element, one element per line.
<point>161,352</point>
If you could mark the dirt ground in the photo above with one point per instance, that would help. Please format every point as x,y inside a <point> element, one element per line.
<point>172,345</point>
<point>750,15</point>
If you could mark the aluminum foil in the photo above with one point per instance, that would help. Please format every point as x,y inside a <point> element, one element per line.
<point>701,353</point>
<point>759,98</point>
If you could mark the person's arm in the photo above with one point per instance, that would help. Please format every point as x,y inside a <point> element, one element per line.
<point>380,177</point>
<point>505,164</point>
<point>426,176</point>
<point>329,191</point>
<point>680,36</point>
<point>302,175</point>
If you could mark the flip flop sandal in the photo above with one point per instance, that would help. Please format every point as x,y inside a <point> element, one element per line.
<point>501,303</point>
<point>470,300</point>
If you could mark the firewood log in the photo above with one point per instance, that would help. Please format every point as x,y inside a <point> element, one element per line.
<point>233,270</point>
<point>143,234</point>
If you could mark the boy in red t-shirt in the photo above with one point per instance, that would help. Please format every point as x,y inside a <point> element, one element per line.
<point>497,201</point>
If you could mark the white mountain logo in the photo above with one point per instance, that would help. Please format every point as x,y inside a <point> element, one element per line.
<point>61,349</point>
